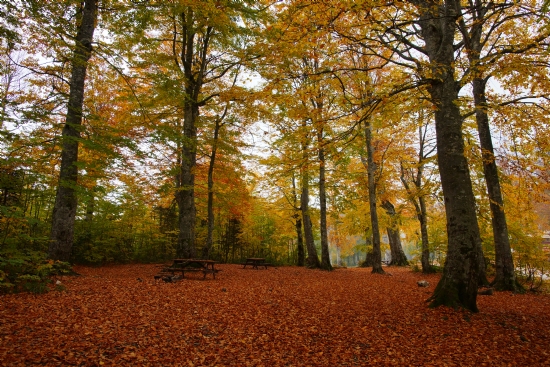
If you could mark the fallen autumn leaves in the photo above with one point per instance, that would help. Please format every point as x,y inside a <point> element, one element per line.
<point>277,317</point>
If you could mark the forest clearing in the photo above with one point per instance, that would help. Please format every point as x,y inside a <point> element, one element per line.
<point>285,316</point>
<point>316,134</point>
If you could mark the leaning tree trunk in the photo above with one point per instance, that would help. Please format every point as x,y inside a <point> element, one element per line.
<point>325,255</point>
<point>371,168</point>
<point>505,278</point>
<point>64,211</point>
<point>458,285</point>
<point>397,255</point>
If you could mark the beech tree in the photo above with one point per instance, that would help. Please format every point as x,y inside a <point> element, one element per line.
<point>416,185</point>
<point>371,171</point>
<point>394,237</point>
<point>201,42</point>
<point>458,285</point>
<point>64,210</point>
<point>482,28</point>
<point>434,23</point>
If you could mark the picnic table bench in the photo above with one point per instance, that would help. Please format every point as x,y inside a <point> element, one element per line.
<point>256,263</point>
<point>190,266</point>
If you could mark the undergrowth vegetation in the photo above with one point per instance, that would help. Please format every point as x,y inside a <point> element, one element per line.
<point>29,272</point>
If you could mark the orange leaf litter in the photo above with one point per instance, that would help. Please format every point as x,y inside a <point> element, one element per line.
<point>285,316</point>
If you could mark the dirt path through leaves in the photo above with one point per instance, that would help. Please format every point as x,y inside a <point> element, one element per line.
<point>284,316</point>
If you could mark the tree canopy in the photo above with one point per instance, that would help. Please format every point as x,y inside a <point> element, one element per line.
<point>300,131</point>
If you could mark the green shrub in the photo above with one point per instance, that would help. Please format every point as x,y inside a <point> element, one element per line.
<point>29,272</point>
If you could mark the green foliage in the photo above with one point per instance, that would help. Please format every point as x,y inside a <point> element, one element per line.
<point>28,272</point>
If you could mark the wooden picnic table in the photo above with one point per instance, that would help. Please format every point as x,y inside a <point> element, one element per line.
<point>191,265</point>
<point>255,262</point>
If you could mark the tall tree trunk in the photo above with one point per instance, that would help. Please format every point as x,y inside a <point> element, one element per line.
<point>418,198</point>
<point>505,278</point>
<point>210,204</point>
<point>325,255</point>
<point>298,225</point>
<point>422,216</point>
<point>185,196</point>
<point>371,169</point>
<point>458,285</point>
<point>397,255</point>
<point>64,211</point>
<point>193,56</point>
<point>312,260</point>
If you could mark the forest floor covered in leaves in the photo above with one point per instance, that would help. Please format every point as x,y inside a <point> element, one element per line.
<point>285,316</point>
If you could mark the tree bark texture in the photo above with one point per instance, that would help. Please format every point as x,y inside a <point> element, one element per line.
<point>210,204</point>
<point>193,59</point>
<point>312,260</point>
<point>397,255</point>
<point>505,278</point>
<point>458,285</point>
<point>371,168</point>
<point>66,201</point>
<point>185,195</point>
<point>325,255</point>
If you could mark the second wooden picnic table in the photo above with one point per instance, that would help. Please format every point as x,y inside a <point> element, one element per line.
<point>255,262</point>
<point>193,265</point>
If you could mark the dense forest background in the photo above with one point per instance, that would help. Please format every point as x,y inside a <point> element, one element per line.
<point>143,130</point>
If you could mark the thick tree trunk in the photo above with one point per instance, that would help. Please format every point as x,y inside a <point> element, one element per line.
<point>185,196</point>
<point>371,168</point>
<point>325,255</point>
<point>193,57</point>
<point>64,211</point>
<point>459,283</point>
<point>397,255</point>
